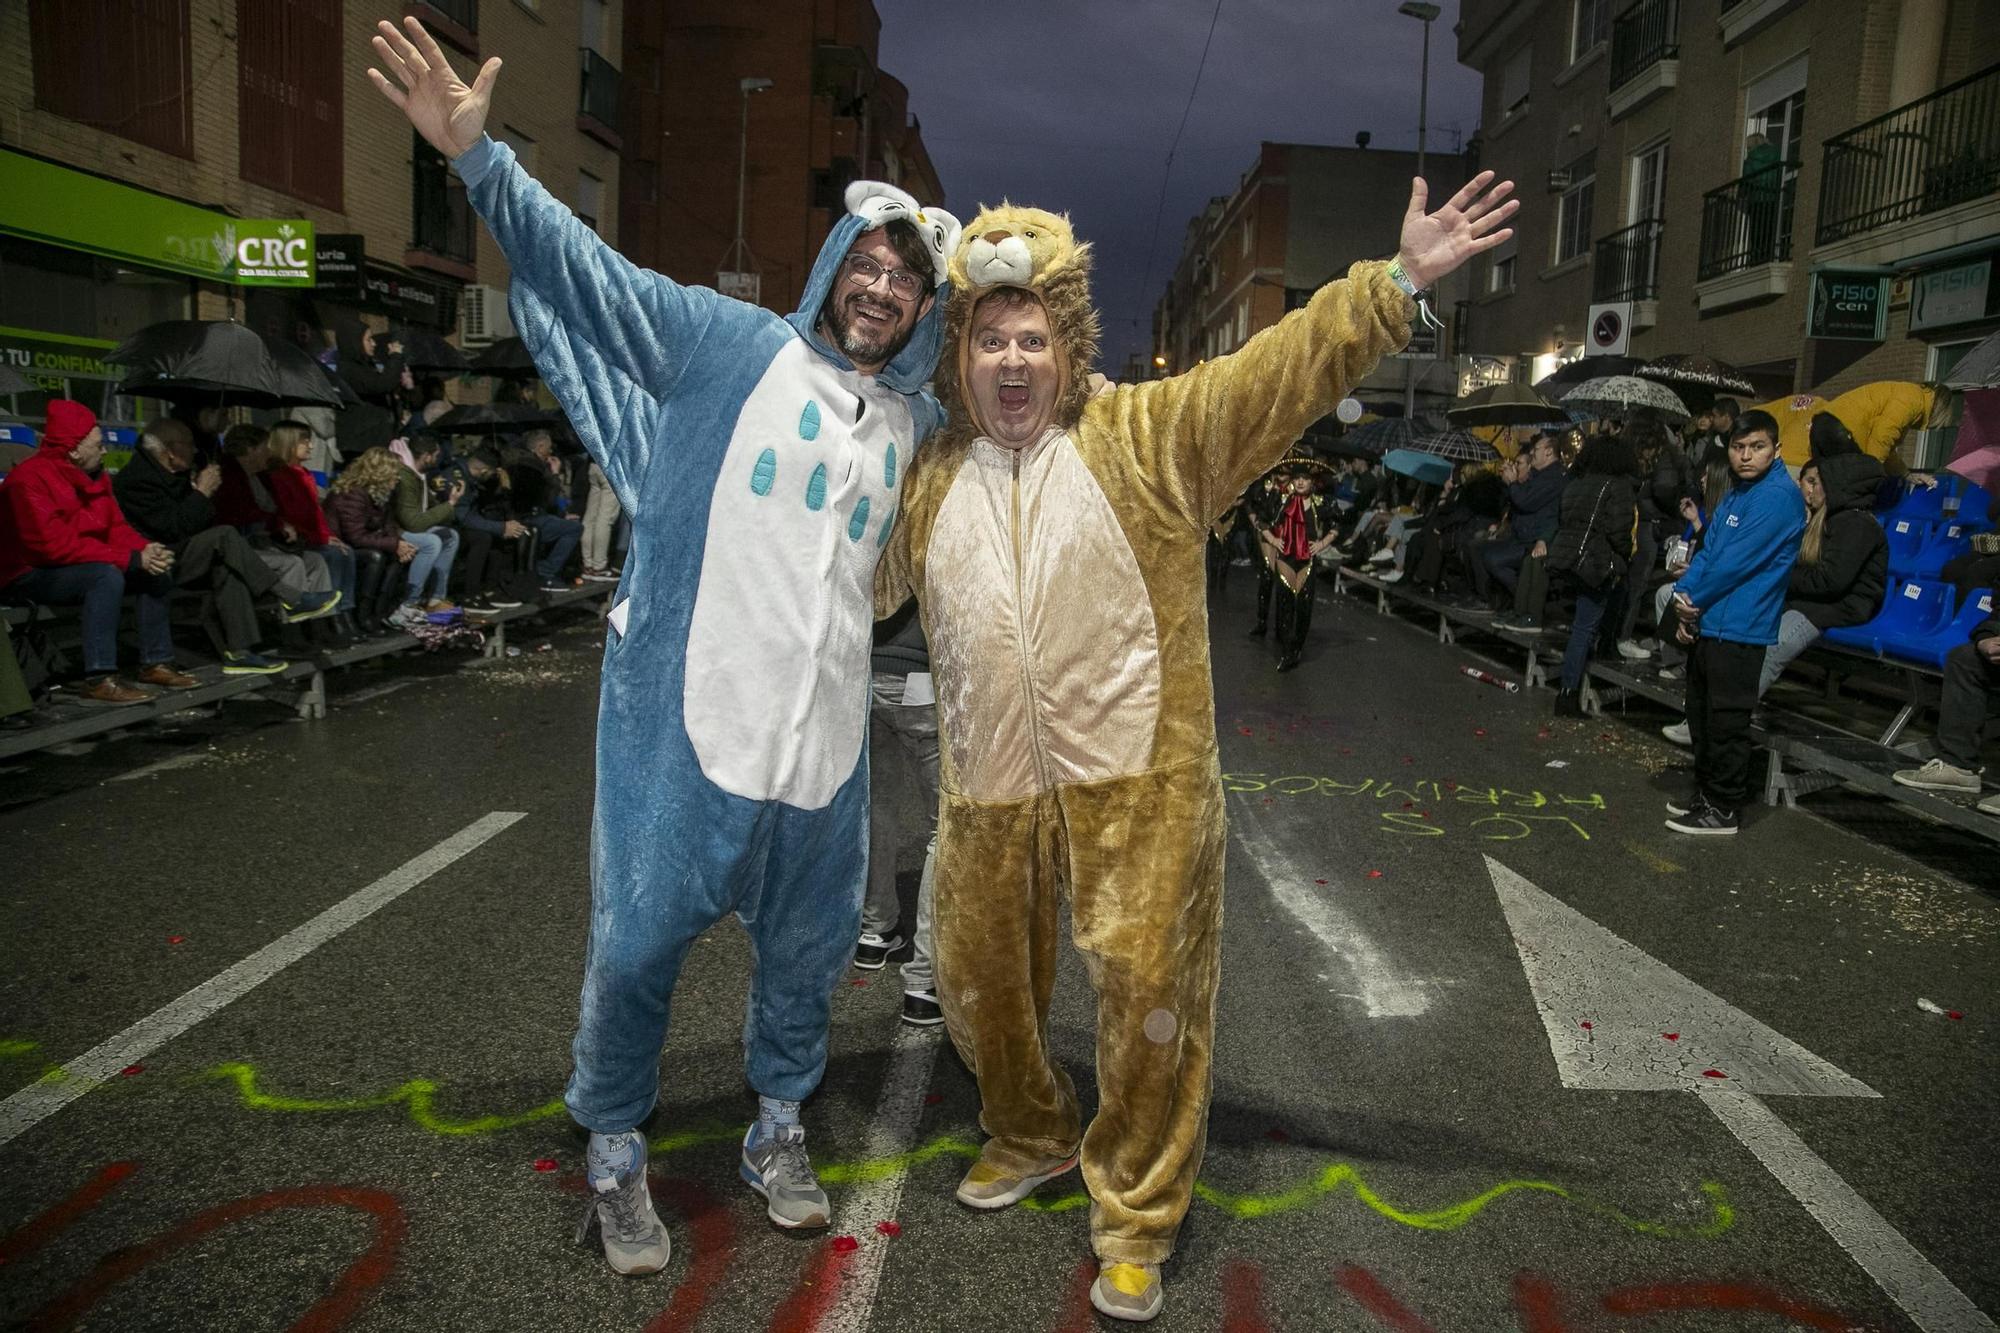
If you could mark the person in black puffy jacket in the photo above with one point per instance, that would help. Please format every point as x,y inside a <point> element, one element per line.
<point>1593,549</point>
<point>1843,569</point>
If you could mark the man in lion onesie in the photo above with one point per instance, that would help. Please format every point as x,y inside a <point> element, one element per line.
<point>1054,541</point>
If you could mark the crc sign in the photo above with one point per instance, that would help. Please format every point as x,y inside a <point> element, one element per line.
<point>1851,306</point>
<point>274,252</point>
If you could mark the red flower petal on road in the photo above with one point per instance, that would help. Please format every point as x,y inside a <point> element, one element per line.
<point>858,981</point>
<point>1543,734</point>
<point>1408,760</point>
<point>547,1164</point>
<point>1586,1025</point>
<point>1954,1015</point>
<point>1407,805</point>
<point>1713,1073</point>
<point>845,1245</point>
<point>1449,785</point>
<point>1671,1036</point>
<point>1374,874</point>
<point>176,939</point>
<point>1479,731</point>
<point>1423,814</point>
<point>1247,732</point>
<point>889,1228</point>
<point>1347,749</point>
<point>130,1070</point>
<point>933,1099</point>
<point>1276,1135</point>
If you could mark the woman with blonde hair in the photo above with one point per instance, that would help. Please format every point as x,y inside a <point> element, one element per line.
<point>357,513</point>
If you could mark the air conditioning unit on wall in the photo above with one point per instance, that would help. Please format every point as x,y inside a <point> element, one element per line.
<point>482,315</point>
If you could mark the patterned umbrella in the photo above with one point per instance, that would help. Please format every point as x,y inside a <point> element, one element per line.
<point>1701,371</point>
<point>1617,395</point>
<point>1505,405</point>
<point>1459,445</point>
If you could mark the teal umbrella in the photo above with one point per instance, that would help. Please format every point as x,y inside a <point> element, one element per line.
<point>1423,467</point>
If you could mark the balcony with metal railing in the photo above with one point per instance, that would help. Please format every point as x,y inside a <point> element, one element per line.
<point>597,99</point>
<point>1626,266</point>
<point>1746,237</point>
<point>1934,154</point>
<point>1645,46</point>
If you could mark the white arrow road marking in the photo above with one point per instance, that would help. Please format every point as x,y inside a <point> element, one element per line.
<point>1380,985</point>
<point>892,1133</point>
<point>38,1101</point>
<point>1580,972</point>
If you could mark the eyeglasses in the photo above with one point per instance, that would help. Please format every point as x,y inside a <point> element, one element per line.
<point>865,272</point>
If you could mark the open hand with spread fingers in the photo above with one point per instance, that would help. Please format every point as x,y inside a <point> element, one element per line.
<point>1434,244</point>
<point>449,114</point>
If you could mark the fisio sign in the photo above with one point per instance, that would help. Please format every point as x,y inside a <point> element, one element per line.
<point>274,252</point>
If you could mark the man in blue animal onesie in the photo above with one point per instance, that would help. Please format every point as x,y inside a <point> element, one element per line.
<point>761,460</point>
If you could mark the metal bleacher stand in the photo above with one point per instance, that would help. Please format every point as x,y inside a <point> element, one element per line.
<point>1904,646</point>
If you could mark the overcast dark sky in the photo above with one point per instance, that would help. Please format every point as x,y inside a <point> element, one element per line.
<point>1072,107</point>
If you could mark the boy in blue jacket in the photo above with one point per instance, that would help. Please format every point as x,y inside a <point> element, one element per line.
<point>1729,604</point>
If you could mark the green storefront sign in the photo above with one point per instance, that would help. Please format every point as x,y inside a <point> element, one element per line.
<point>52,360</point>
<point>1847,305</point>
<point>42,201</point>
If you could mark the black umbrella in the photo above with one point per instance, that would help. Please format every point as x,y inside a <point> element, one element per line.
<point>506,357</point>
<point>488,418</point>
<point>1585,368</point>
<point>202,358</point>
<point>1505,405</point>
<point>1698,371</point>
<point>425,351</point>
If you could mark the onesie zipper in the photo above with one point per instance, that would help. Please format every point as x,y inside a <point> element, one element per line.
<point>1021,624</point>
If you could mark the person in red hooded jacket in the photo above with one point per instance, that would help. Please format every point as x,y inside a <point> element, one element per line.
<point>65,542</point>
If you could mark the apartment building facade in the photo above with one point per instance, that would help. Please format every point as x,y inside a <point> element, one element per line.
<point>1806,189</point>
<point>164,160</point>
<point>1299,216</point>
<point>699,121</point>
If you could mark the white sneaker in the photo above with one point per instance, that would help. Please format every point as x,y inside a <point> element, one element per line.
<point>1940,775</point>
<point>1678,733</point>
<point>1383,556</point>
<point>1393,576</point>
<point>1990,806</point>
<point>1631,651</point>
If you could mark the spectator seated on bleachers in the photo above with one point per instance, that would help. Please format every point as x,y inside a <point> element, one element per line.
<point>1440,553</point>
<point>247,503</point>
<point>1535,481</point>
<point>539,490</point>
<point>64,542</point>
<point>297,498</point>
<point>424,525</point>
<point>1843,569</point>
<point>1970,696</point>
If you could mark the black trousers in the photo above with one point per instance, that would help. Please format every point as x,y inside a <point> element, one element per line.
<point>1265,580</point>
<point>1721,695</point>
<point>221,562</point>
<point>1971,691</point>
<point>1972,572</point>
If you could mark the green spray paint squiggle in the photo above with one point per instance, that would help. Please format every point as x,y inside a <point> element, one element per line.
<point>418,1097</point>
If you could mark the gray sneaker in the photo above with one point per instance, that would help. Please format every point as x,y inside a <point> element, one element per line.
<point>1940,775</point>
<point>635,1240</point>
<point>1130,1292</point>
<point>1989,806</point>
<point>780,1171</point>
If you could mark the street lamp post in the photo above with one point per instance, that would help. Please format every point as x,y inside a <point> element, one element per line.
<point>1426,14</point>
<point>739,249</point>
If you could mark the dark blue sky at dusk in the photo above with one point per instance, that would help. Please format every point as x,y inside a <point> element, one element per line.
<point>1072,107</point>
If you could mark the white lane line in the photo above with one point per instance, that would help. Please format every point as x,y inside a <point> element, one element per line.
<point>38,1101</point>
<point>891,1134</point>
<point>1383,988</point>
<point>362,696</point>
<point>1910,1280</point>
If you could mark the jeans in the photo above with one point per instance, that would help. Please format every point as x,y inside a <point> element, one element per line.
<point>1795,635</point>
<point>1592,606</point>
<point>600,518</point>
<point>1971,691</point>
<point>1721,695</point>
<point>340,570</point>
<point>558,537</point>
<point>912,731</point>
<point>431,565</point>
<point>1500,560</point>
<point>101,590</point>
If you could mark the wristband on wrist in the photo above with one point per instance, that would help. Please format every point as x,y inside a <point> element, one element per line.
<point>1401,277</point>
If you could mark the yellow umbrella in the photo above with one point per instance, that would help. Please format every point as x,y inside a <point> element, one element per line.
<point>1878,414</point>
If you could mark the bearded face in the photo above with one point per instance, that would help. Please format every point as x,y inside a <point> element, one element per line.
<point>875,303</point>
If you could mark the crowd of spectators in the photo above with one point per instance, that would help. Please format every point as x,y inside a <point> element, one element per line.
<point>403,537</point>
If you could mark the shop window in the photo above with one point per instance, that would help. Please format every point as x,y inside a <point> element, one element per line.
<point>121,66</point>
<point>289,98</point>
<point>589,199</point>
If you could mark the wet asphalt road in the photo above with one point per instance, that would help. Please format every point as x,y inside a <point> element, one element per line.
<point>369,1137</point>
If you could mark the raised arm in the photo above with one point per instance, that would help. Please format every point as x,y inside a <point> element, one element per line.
<point>1205,435</point>
<point>636,321</point>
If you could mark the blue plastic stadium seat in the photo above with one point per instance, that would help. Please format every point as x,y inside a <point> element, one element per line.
<point>1915,610</point>
<point>1931,649</point>
<point>120,437</point>
<point>1919,504</point>
<point>15,432</point>
<point>1907,538</point>
<point>1974,504</point>
<point>1948,541</point>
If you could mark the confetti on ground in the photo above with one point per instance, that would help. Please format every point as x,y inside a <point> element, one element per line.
<point>889,1228</point>
<point>845,1245</point>
<point>1374,874</point>
<point>933,1099</point>
<point>176,939</point>
<point>1276,1135</point>
<point>1587,1025</point>
<point>1929,1006</point>
<point>858,981</point>
<point>1671,1036</point>
<point>130,1070</point>
<point>1319,881</point>
<point>546,1164</point>
<point>1558,763</point>
<point>1713,1073</point>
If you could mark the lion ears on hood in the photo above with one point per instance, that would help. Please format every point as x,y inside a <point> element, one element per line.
<point>878,203</point>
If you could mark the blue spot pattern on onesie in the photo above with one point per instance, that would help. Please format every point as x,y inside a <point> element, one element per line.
<point>887,524</point>
<point>816,489</point>
<point>859,523</point>
<point>889,468</point>
<point>765,473</point>
<point>809,421</point>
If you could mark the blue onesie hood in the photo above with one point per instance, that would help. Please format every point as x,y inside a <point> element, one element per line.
<point>917,362</point>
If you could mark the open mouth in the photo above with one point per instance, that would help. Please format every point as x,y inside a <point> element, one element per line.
<point>871,315</point>
<point>1013,395</point>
